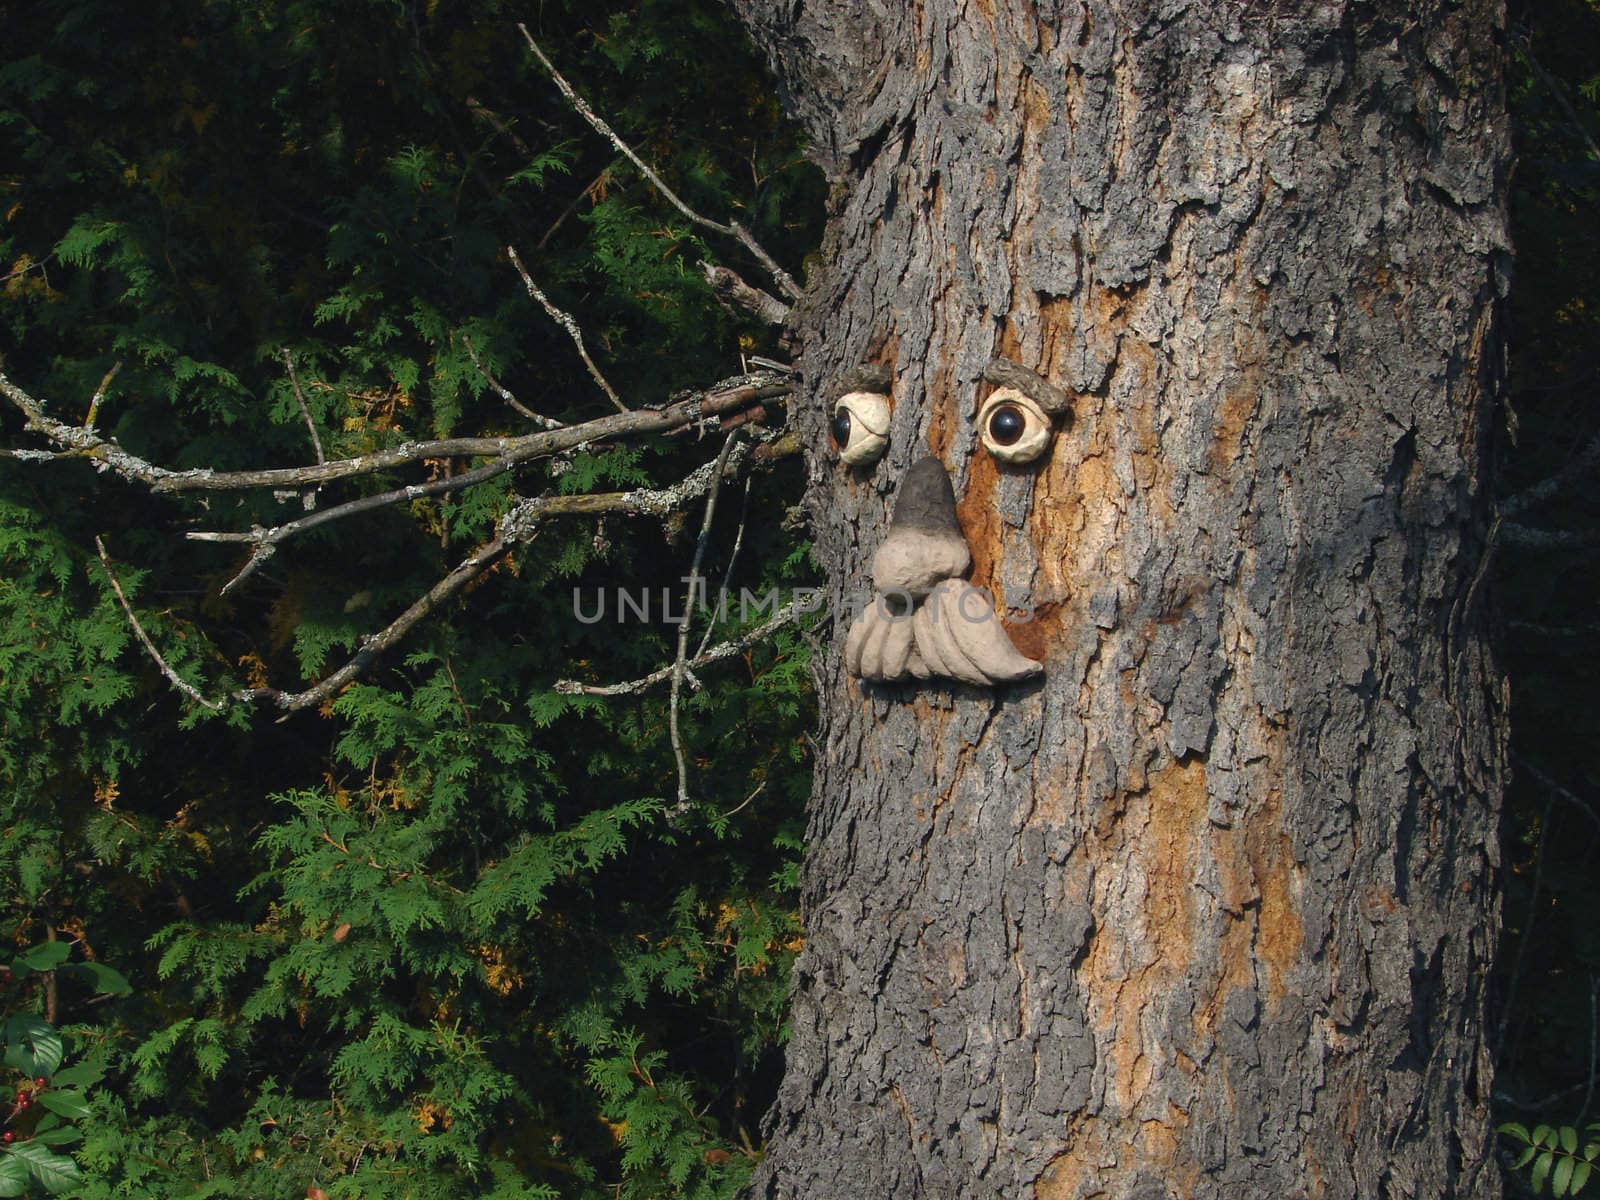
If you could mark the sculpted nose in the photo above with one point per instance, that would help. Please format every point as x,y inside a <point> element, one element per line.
<point>925,545</point>
<point>927,622</point>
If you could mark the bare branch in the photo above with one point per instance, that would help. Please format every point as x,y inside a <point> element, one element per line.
<point>756,414</point>
<point>733,557</point>
<point>258,555</point>
<point>787,615</point>
<point>725,397</point>
<point>521,524</point>
<point>729,286</point>
<point>1549,1101</point>
<point>495,121</point>
<point>105,452</point>
<point>1550,784</point>
<point>566,322</point>
<point>173,677</point>
<point>38,455</point>
<point>305,411</point>
<point>733,229</point>
<point>100,394</point>
<point>465,572</point>
<point>786,445</point>
<point>644,502</point>
<point>588,190</point>
<point>1521,42</point>
<point>475,564</point>
<point>30,265</point>
<point>505,392</point>
<point>769,364</point>
<point>700,545</point>
<point>745,803</point>
<point>1577,468</point>
<point>1508,1003</point>
<point>1514,534</point>
<point>266,541</point>
<point>1535,627</point>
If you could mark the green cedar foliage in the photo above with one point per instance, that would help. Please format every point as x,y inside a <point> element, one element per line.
<point>447,936</point>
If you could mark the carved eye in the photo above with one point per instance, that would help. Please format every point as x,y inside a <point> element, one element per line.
<point>860,427</point>
<point>1014,429</point>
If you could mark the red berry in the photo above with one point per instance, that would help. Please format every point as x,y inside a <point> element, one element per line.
<point>40,1082</point>
<point>9,1136</point>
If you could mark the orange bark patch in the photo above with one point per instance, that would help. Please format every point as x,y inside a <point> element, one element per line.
<point>1255,865</point>
<point>1036,638</point>
<point>1281,933</point>
<point>1127,970</point>
<point>1084,1168</point>
<point>1176,797</point>
<point>1035,106</point>
<point>1470,395</point>
<point>1232,418</point>
<point>1242,399</point>
<point>1070,498</point>
<point>1112,307</point>
<point>1067,1175</point>
<point>1235,964</point>
<point>943,418</point>
<point>1055,324</point>
<point>980,519</point>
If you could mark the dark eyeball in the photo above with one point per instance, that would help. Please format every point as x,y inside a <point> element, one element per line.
<point>1007,424</point>
<point>860,427</point>
<point>1013,428</point>
<point>840,428</point>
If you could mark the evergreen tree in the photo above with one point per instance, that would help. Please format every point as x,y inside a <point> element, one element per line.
<point>447,930</point>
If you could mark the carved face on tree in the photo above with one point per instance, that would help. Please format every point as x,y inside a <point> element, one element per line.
<point>925,621</point>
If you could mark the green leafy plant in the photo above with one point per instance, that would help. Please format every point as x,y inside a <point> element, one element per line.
<point>44,1100</point>
<point>1552,1155</point>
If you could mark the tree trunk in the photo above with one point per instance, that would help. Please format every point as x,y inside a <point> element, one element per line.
<point>1209,910</point>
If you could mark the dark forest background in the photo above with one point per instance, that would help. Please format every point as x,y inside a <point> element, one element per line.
<point>451,933</point>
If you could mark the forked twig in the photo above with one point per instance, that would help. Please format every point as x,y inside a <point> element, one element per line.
<point>1576,469</point>
<point>787,615</point>
<point>504,392</point>
<point>520,523</point>
<point>731,229</point>
<point>173,677</point>
<point>728,396</point>
<point>100,394</point>
<point>305,409</point>
<point>733,557</point>
<point>679,661</point>
<point>475,564</point>
<point>566,322</point>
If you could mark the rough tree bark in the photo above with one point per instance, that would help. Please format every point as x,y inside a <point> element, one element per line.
<point>1209,911</point>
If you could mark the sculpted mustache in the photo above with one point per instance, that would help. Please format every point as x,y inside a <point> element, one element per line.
<point>926,621</point>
